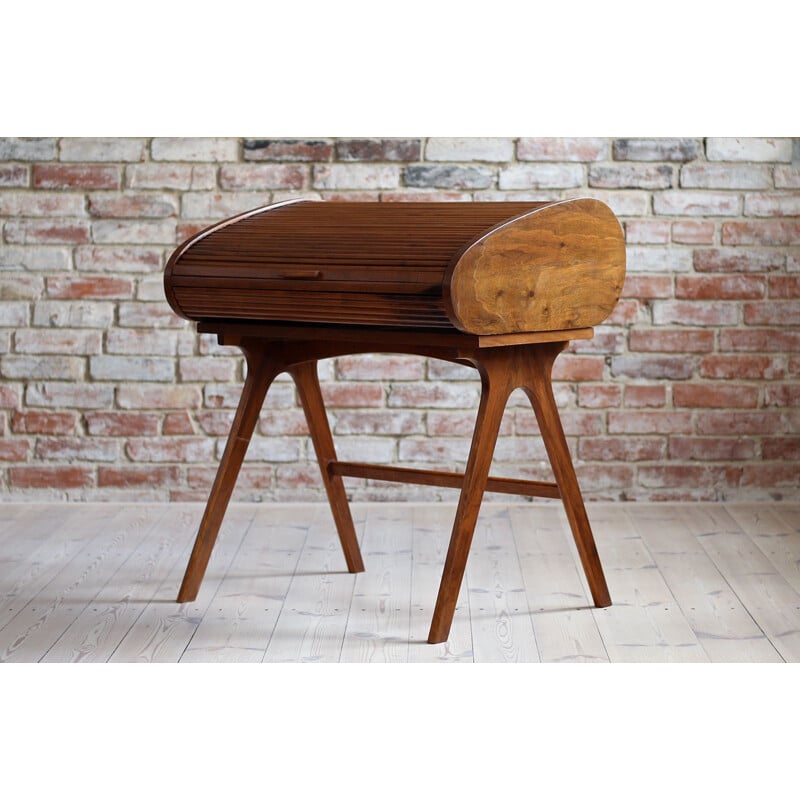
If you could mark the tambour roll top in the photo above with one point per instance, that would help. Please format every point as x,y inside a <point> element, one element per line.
<point>483,268</point>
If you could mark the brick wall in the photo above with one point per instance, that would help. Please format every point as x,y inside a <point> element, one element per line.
<point>690,391</point>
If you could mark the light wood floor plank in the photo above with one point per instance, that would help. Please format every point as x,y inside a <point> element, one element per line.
<point>45,617</point>
<point>555,587</point>
<point>645,622</point>
<point>721,623</point>
<point>689,582</point>
<point>432,525</point>
<point>165,628</point>
<point>502,630</point>
<point>101,626</point>
<point>379,622</point>
<point>312,621</point>
<point>770,600</point>
<point>243,612</point>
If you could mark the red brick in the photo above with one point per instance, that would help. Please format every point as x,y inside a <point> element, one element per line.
<point>378,149</point>
<point>640,231</point>
<point>46,231</point>
<point>736,260</point>
<point>783,449</point>
<point>132,205</point>
<point>34,477</point>
<point>578,368</point>
<point>768,233</point>
<point>73,287</point>
<point>647,286</point>
<point>720,366</point>
<point>688,312</point>
<point>716,395</point>
<point>263,176</point>
<point>186,230</point>
<point>732,423</point>
<point>681,340</point>
<point>304,476</point>
<point>287,150</point>
<point>626,312</point>
<point>680,475</point>
<point>697,448</point>
<point>349,395</point>
<point>622,448</point>
<point>767,340</point>
<point>649,422</point>
<point>127,477</point>
<point>645,396</point>
<point>787,394</point>
<point>719,287</point>
<point>574,423</point>
<point>690,232</point>
<point>216,423</point>
<point>780,313</point>
<point>608,396</point>
<point>784,286</point>
<point>562,149</point>
<point>47,422</point>
<point>177,423</point>
<point>353,197</point>
<point>70,176</point>
<point>250,477</point>
<point>14,449</point>
<point>122,423</point>
<point>771,476</point>
<point>603,342</point>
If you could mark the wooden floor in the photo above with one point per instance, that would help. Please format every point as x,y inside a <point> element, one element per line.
<point>690,582</point>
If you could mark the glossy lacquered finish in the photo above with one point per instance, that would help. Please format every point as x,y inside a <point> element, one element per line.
<point>482,268</point>
<point>500,287</point>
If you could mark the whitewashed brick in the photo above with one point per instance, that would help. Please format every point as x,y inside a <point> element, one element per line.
<point>631,176</point>
<point>151,289</point>
<point>271,448</point>
<point>541,176</point>
<point>776,204</point>
<point>370,449</point>
<point>194,149</point>
<point>91,258</point>
<point>469,149</point>
<point>42,204</point>
<point>159,176</point>
<point>72,449</point>
<point>21,287</point>
<point>441,450</point>
<point>27,149</point>
<point>50,259</point>
<point>103,149</point>
<point>717,176</point>
<point>787,177</point>
<point>516,196</point>
<point>117,231</point>
<point>356,176</point>
<point>13,314</point>
<point>132,368</point>
<point>64,314</point>
<point>623,202</point>
<point>218,205</point>
<point>748,149</point>
<point>697,204</point>
<point>132,342</point>
<point>65,368</point>
<point>61,340</point>
<point>658,259</point>
<point>149,315</point>
<point>662,149</point>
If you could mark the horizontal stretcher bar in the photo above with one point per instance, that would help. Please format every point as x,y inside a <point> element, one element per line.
<point>449,480</point>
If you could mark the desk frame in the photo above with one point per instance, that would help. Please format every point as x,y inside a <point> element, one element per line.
<point>504,363</point>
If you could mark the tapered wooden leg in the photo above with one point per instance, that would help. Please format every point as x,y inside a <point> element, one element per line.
<point>494,396</point>
<point>307,380</point>
<point>261,371</point>
<point>539,389</point>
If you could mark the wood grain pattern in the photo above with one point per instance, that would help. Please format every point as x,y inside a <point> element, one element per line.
<point>484,268</point>
<point>692,582</point>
